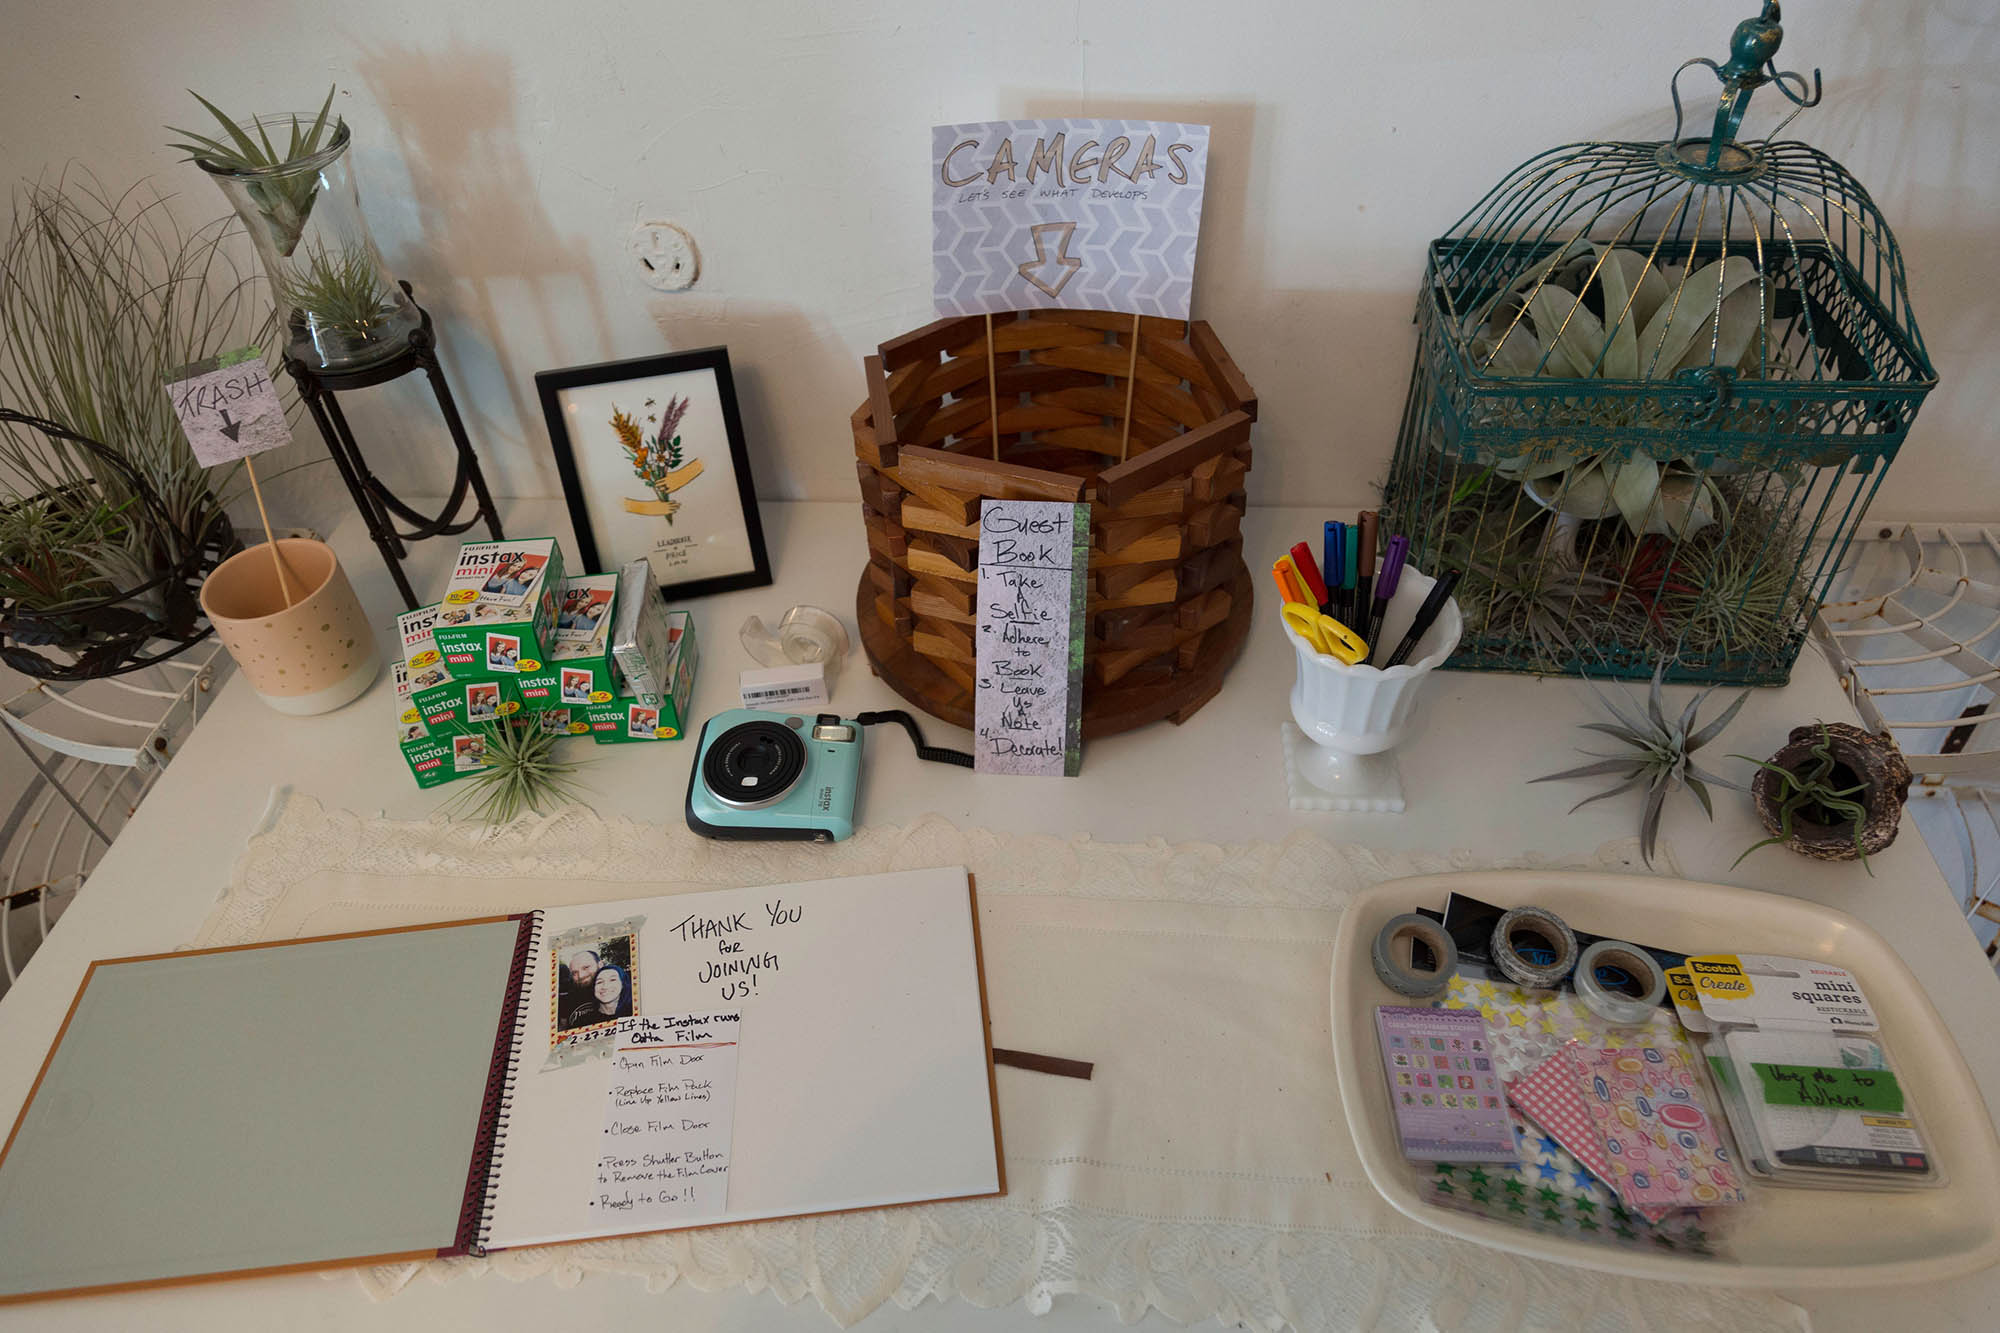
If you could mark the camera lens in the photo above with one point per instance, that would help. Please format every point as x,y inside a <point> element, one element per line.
<point>753,764</point>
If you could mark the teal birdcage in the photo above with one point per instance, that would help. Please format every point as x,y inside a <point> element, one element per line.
<point>1656,386</point>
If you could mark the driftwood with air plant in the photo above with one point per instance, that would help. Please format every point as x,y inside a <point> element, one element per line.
<point>1659,757</point>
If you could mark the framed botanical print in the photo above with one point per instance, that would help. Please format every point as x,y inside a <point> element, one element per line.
<point>653,465</point>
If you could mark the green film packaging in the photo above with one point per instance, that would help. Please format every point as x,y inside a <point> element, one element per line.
<point>498,613</point>
<point>448,700</point>
<point>578,671</point>
<point>429,755</point>
<point>644,716</point>
<point>561,721</point>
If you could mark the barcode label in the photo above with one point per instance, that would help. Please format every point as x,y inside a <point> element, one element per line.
<point>782,692</point>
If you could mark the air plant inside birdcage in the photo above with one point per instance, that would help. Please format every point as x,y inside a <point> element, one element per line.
<point>1656,386</point>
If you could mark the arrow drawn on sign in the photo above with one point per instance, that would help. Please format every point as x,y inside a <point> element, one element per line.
<point>1062,259</point>
<point>229,428</point>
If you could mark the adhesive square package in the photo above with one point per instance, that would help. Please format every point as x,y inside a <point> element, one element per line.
<point>1826,1107</point>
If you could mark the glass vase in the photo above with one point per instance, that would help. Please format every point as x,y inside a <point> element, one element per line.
<point>342,309</point>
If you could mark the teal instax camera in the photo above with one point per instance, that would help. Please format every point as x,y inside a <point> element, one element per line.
<point>775,777</point>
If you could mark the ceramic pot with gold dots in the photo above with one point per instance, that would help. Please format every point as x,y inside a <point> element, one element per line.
<point>312,656</point>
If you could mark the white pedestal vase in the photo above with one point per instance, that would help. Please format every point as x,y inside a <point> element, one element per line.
<point>1351,718</point>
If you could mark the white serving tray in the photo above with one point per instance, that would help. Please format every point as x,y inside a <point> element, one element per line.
<point>1778,1237</point>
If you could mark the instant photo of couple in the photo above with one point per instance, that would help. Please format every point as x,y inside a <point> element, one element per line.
<point>594,985</point>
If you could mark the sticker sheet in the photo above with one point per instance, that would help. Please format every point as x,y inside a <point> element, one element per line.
<point>1447,1099</point>
<point>1664,1145</point>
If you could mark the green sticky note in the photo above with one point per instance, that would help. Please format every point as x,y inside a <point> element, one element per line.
<point>1830,1089</point>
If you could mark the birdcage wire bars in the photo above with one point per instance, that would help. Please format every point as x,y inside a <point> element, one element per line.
<point>1656,386</point>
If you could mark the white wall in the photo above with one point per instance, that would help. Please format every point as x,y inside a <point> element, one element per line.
<point>506,148</point>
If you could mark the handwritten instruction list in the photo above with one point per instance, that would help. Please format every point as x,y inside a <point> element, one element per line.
<point>1028,709</point>
<point>668,1116</point>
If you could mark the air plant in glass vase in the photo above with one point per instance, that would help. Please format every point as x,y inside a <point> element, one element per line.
<point>1659,754</point>
<point>301,207</point>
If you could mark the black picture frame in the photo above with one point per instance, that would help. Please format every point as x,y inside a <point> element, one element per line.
<point>551,386</point>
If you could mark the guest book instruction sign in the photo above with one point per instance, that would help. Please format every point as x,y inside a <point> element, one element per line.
<point>1033,567</point>
<point>1066,214</point>
<point>668,1118</point>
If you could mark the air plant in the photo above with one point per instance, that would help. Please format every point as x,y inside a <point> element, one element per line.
<point>343,293</point>
<point>102,298</point>
<point>1660,757</point>
<point>1594,311</point>
<point>522,773</point>
<point>1812,794</point>
<point>49,550</point>
<point>284,200</point>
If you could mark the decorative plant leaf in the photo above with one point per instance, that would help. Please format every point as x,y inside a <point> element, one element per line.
<point>1714,729</point>
<point>1669,342</point>
<point>1658,758</point>
<point>1571,336</point>
<point>1591,770</point>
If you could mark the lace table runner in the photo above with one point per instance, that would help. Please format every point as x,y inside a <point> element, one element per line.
<point>1204,1172</point>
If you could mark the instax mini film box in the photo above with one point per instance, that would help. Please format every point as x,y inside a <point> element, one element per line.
<point>641,715</point>
<point>578,671</point>
<point>498,613</point>
<point>431,756</point>
<point>448,700</point>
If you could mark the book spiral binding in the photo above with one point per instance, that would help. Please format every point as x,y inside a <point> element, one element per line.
<point>476,1216</point>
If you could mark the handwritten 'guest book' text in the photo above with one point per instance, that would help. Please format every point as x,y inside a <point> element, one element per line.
<point>1028,707</point>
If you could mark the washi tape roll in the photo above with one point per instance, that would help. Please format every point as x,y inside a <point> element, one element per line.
<point>1395,962</point>
<point>1620,983</point>
<point>1533,947</point>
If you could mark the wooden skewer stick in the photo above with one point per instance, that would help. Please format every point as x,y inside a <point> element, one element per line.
<point>277,560</point>
<point>1131,382</point>
<point>992,388</point>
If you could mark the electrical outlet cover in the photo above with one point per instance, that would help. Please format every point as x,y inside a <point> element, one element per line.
<point>668,260</point>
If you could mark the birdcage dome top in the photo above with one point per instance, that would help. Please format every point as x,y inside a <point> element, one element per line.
<point>1710,260</point>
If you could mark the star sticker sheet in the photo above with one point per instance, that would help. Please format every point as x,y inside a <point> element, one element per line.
<point>1548,1190</point>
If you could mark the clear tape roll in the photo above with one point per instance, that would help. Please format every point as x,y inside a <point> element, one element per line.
<point>1394,962</point>
<point>1630,966</point>
<point>1526,925</point>
<point>805,634</point>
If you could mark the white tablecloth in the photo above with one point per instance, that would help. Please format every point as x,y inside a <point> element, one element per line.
<point>1205,1171</point>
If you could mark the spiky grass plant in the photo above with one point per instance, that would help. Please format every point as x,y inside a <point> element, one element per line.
<point>522,773</point>
<point>49,550</point>
<point>342,292</point>
<point>1660,757</point>
<point>284,201</point>
<point>101,296</point>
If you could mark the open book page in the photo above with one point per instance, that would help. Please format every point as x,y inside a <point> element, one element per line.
<point>242,1109</point>
<point>861,1070</point>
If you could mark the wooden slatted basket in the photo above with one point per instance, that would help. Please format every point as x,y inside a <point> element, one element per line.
<point>1169,597</point>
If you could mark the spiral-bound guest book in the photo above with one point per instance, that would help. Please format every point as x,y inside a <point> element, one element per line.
<point>476,1085</point>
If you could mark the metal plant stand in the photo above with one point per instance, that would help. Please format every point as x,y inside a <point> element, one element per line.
<point>380,508</point>
<point>97,747</point>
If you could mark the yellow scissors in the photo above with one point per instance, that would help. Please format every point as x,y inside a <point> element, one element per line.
<point>1324,633</point>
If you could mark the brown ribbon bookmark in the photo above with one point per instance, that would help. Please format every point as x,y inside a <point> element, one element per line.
<point>1043,1064</point>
